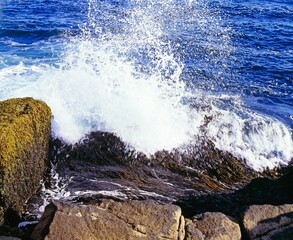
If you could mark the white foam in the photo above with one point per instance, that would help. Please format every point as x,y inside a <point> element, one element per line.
<point>129,83</point>
<point>262,141</point>
<point>99,91</point>
<point>25,223</point>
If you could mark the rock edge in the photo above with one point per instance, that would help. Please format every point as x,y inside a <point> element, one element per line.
<point>25,129</point>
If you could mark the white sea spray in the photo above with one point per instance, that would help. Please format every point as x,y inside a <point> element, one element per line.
<point>123,75</point>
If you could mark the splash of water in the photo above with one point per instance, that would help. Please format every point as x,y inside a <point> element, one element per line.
<point>123,74</point>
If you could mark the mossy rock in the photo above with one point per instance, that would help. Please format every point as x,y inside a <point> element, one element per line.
<point>25,129</point>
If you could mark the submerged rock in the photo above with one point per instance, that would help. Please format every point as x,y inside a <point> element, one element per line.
<point>111,220</point>
<point>25,126</point>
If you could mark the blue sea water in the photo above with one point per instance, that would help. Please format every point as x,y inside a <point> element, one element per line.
<point>152,71</point>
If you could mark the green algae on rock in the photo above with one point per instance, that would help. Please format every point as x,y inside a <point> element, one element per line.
<point>25,128</point>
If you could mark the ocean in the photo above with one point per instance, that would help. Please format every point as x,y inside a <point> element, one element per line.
<point>159,75</point>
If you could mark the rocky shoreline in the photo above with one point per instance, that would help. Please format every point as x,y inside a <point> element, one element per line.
<point>110,219</point>
<point>221,198</point>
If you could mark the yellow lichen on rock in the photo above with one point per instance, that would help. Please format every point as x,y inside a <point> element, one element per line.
<point>25,126</point>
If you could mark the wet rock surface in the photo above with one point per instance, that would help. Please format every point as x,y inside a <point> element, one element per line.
<point>259,191</point>
<point>25,127</point>
<point>198,180</point>
<point>213,192</point>
<point>102,164</point>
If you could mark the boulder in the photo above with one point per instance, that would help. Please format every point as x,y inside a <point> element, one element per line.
<point>111,220</point>
<point>212,225</point>
<point>25,128</point>
<point>269,222</point>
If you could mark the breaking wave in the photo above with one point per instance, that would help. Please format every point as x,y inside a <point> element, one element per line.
<point>124,73</point>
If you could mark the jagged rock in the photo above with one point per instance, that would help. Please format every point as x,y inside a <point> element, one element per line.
<point>258,192</point>
<point>170,175</point>
<point>113,220</point>
<point>269,222</point>
<point>24,142</point>
<point>216,226</point>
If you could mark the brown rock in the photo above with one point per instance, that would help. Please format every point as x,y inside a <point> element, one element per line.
<point>269,222</point>
<point>114,220</point>
<point>181,232</point>
<point>25,127</point>
<point>210,225</point>
<point>192,232</point>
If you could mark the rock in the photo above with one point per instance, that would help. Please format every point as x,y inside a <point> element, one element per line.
<point>259,191</point>
<point>181,232</point>
<point>25,126</point>
<point>42,229</point>
<point>170,175</point>
<point>1,215</point>
<point>12,232</point>
<point>8,238</point>
<point>113,220</point>
<point>191,232</point>
<point>269,222</point>
<point>212,225</point>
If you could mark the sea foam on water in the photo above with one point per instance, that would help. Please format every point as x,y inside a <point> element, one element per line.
<point>122,76</point>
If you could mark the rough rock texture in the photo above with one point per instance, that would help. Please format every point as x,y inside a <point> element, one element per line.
<point>150,220</point>
<point>216,226</point>
<point>24,142</point>
<point>259,191</point>
<point>113,220</point>
<point>102,155</point>
<point>269,222</point>
<point>181,232</point>
<point>191,232</point>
